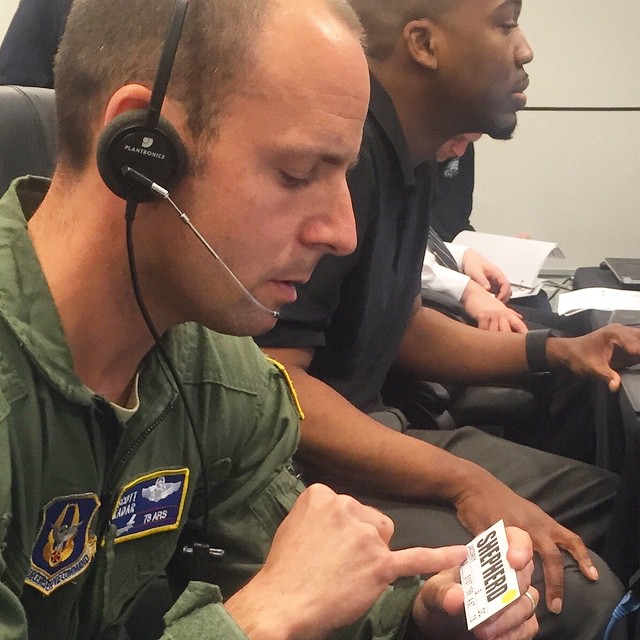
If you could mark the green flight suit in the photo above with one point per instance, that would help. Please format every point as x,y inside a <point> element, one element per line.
<point>91,509</point>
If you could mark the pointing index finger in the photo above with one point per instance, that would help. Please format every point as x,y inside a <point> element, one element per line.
<point>422,560</point>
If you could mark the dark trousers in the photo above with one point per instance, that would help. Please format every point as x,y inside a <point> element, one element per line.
<point>577,495</point>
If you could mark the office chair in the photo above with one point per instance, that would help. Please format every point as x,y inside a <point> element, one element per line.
<point>27,133</point>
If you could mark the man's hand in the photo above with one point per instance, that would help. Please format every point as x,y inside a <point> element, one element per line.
<point>489,312</point>
<point>601,354</point>
<point>486,274</point>
<point>438,612</point>
<point>329,562</point>
<point>488,500</point>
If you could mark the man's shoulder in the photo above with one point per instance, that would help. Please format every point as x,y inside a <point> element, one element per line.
<point>249,381</point>
<point>229,361</point>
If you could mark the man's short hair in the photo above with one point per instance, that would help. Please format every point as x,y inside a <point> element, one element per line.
<point>384,20</point>
<point>110,43</point>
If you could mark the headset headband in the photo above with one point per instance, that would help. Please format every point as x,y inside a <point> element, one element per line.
<point>165,65</point>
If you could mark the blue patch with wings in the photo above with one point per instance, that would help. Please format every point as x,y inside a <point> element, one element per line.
<point>150,504</point>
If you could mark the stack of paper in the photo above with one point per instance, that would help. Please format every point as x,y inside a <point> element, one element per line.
<point>598,298</point>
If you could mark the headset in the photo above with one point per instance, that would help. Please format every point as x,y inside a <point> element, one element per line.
<point>141,157</point>
<point>137,151</point>
<point>142,140</point>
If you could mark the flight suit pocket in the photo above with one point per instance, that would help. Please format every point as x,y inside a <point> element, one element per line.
<point>273,504</point>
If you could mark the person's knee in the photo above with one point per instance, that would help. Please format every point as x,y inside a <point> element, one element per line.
<point>587,605</point>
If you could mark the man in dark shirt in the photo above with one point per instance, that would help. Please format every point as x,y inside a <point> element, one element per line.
<point>394,236</point>
<point>31,42</point>
<point>449,68</point>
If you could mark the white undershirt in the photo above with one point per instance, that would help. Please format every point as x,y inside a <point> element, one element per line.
<point>133,404</point>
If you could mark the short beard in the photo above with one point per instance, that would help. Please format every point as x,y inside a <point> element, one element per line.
<point>502,133</point>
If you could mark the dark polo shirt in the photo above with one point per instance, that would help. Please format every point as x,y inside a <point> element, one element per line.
<point>355,309</point>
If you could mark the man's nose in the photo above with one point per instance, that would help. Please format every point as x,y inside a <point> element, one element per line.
<point>333,228</point>
<point>342,225</point>
<point>524,52</point>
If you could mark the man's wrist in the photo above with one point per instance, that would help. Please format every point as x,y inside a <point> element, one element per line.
<point>256,619</point>
<point>458,476</point>
<point>535,345</point>
<point>471,288</point>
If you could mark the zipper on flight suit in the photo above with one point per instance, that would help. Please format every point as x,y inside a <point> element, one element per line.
<point>112,475</point>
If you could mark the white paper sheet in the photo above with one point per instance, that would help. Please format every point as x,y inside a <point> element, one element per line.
<point>598,298</point>
<point>520,259</point>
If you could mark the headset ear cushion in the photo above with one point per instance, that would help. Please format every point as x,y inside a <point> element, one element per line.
<point>157,154</point>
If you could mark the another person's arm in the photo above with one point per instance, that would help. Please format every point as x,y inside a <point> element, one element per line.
<point>460,353</point>
<point>464,354</point>
<point>490,313</point>
<point>339,437</point>
<point>486,274</point>
<point>13,622</point>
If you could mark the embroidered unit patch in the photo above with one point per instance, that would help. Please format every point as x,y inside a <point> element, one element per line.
<point>64,546</point>
<point>452,169</point>
<point>150,504</point>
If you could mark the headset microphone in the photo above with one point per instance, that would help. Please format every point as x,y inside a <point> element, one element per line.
<point>163,193</point>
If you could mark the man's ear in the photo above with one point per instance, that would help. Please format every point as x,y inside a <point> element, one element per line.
<point>129,97</point>
<point>419,37</point>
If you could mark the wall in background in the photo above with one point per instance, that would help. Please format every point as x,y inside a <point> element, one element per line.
<point>7,9</point>
<point>571,177</point>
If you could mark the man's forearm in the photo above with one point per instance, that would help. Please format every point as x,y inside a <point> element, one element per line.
<point>338,437</point>
<point>438,348</point>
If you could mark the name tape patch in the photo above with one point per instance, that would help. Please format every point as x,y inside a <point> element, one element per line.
<point>150,504</point>
<point>64,546</point>
<point>488,580</point>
